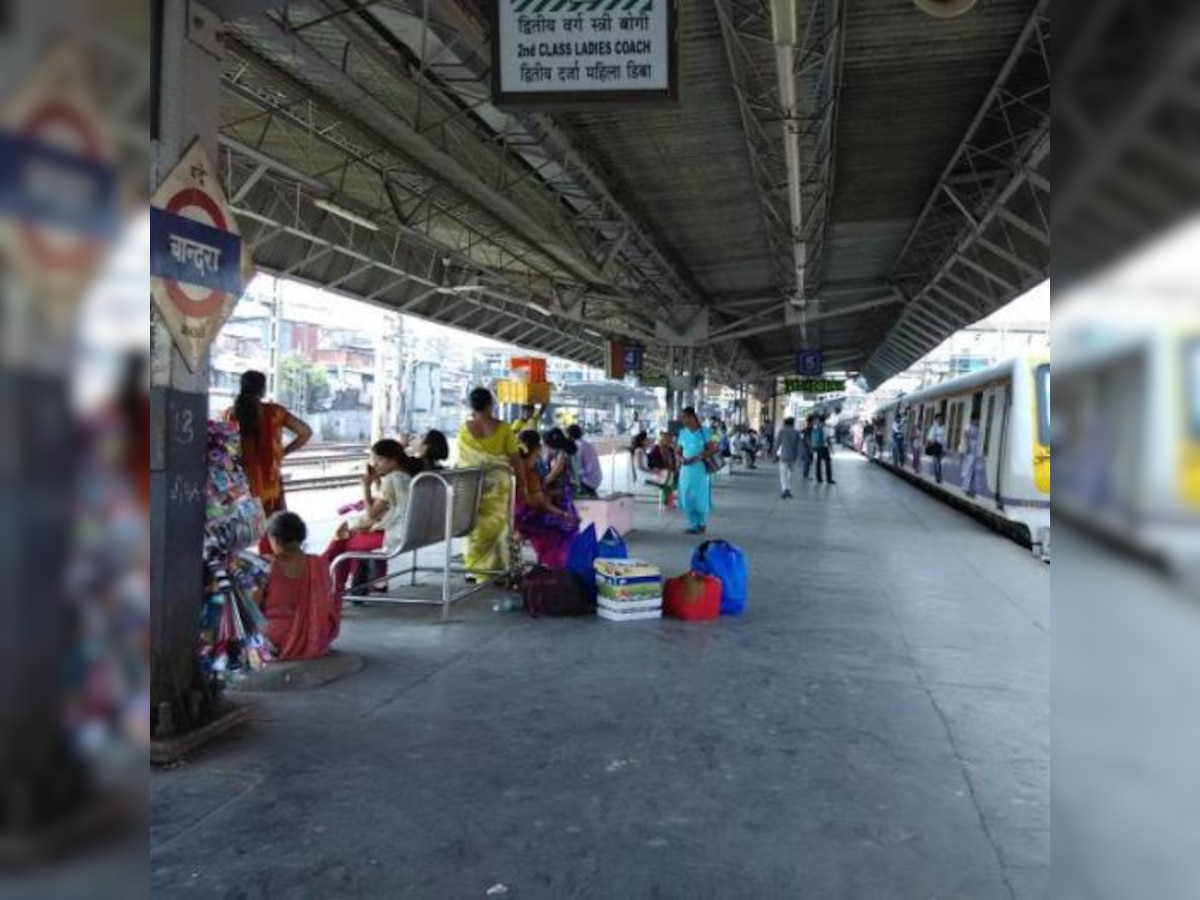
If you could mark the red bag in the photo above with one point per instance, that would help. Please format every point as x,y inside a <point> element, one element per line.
<point>693,597</point>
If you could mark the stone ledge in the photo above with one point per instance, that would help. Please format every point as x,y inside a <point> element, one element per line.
<point>299,675</point>
<point>165,751</point>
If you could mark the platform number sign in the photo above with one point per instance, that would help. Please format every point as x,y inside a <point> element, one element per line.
<point>810,363</point>
<point>635,356</point>
<point>198,268</point>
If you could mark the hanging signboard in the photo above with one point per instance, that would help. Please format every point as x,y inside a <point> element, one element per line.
<point>810,363</point>
<point>614,360</point>
<point>635,356</point>
<point>198,267</point>
<point>653,381</point>
<point>578,52</point>
<point>813,385</point>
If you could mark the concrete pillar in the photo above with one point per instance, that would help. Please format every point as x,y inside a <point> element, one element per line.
<point>187,109</point>
<point>45,785</point>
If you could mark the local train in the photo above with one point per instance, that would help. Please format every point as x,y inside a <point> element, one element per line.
<point>1127,426</point>
<point>996,453</point>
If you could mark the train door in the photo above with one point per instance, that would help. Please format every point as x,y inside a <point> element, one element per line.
<point>993,413</point>
<point>1121,422</point>
<point>1041,429</point>
<point>1001,436</point>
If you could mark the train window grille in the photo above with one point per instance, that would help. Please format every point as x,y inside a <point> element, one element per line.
<point>987,426</point>
<point>955,430</point>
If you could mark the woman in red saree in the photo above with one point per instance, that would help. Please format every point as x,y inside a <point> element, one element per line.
<point>303,616</point>
<point>262,425</point>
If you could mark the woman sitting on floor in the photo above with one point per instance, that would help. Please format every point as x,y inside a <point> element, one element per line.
<point>303,617</point>
<point>547,527</point>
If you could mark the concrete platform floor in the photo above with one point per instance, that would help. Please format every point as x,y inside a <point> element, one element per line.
<point>877,725</point>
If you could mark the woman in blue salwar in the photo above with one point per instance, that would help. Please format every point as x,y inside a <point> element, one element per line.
<point>697,445</point>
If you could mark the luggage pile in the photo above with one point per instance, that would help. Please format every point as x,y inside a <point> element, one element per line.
<point>601,579</point>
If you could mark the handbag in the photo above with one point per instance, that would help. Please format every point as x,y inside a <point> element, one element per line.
<point>713,464</point>
<point>555,592</point>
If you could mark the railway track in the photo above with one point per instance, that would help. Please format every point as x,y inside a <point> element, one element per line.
<point>321,482</point>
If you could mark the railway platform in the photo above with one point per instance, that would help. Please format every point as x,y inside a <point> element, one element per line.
<point>877,724</point>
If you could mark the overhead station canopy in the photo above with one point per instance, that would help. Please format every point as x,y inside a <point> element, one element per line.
<point>860,177</point>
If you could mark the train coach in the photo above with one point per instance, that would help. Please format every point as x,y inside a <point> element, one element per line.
<point>1127,426</point>
<point>996,454</point>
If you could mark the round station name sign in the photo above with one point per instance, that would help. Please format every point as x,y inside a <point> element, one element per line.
<point>58,179</point>
<point>197,265</point>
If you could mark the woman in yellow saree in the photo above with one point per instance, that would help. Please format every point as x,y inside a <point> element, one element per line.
<point>486,441</point>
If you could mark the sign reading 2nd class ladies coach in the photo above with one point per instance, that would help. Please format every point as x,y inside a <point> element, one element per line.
<point>575,52</point>
<point>198,265</point>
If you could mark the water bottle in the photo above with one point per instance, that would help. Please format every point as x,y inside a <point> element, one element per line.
<point>508,604</point>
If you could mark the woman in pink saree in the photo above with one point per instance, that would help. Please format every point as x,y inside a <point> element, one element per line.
<point>303,615</point>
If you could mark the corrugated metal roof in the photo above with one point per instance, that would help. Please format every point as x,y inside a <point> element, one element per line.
<point>343,108</point>
<point>686,168</point>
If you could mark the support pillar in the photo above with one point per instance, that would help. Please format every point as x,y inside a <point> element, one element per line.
<point>187,108</point>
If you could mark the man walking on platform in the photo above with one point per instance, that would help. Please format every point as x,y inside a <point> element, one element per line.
<point>806,447</point>
<point>788,450</point>
<point>819,439</point>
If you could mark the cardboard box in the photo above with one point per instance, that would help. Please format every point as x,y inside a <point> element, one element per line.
<point>628,580</point>
<point>647,604</point>
<point>522,393</point>
<point>620,616</point>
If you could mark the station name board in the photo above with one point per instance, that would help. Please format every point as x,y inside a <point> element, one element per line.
<point>813,385</point>
<point>577,52</point>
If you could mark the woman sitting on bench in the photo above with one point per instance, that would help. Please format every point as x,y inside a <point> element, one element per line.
<point>381,526</point>
<point>654,465</point>
<point>547,527</point>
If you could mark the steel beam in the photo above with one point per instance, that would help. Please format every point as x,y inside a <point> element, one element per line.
<point>435,162</point>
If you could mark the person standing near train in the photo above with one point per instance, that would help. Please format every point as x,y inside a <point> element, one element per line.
<point>935,445</point>
<point>970,456</point>
<point>898,425</point>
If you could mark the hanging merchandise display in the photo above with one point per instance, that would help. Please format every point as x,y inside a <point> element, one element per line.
<point>231,640</point>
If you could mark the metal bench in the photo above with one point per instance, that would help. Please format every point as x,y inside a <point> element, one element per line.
<point>442,506</point>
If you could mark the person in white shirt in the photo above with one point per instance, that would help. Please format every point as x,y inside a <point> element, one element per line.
<point>935,444</point>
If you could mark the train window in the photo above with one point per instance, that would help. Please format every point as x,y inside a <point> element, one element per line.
<point>987,423</point>
<point>954,431</point>
<point>977,405</point>
<point>1042,384</point>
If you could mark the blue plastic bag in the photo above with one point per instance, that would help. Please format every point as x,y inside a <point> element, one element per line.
<point>612,546</point>
<point>581,559</point>
<point>722,560</point>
